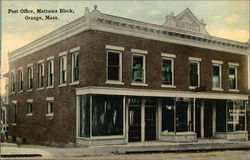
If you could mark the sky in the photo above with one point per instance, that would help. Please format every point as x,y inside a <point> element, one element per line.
<point>226,19</point>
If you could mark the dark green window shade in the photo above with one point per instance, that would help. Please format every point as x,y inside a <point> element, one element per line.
<point>138,68</point>
<point>194,77</point>
<point>167,71</point>
<point>232,78</point>
<point>216,77</point>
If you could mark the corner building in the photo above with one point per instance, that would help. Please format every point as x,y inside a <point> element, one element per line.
<point>103,79</point>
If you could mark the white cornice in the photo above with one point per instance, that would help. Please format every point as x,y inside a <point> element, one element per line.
<point>118,25</point>
<point>157,93</point>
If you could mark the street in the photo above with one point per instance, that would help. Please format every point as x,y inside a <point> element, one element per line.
<point>215,155</point>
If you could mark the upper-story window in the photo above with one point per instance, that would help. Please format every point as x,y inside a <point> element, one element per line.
<point>232,76</point>
<point>114,65</point>
<point>30,78</point>
<point>167,70</point>
<point>40,75</point>
<point>13,81</point>
<point>63,69</point>
<point>138,68</point>
<point>217,75</point>
<point>194,72</point>
<point>50,71</point>
<point>75,66</point>
<point>20,79</point>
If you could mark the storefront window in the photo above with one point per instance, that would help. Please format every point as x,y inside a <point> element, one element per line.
<point>84,116</point>
<point>107,115</point>
<point>168,114</point>
<point>236,116</point>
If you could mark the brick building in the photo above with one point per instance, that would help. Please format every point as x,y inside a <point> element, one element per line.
<point>103,79</point>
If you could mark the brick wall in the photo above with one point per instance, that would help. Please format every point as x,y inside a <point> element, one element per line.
<point>61,128</point>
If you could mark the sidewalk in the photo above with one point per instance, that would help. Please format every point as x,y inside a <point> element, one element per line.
<point>12,150</point>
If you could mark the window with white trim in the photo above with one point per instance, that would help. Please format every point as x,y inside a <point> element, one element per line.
<point>30,78</point>
<point>138,74</point>
<point>216,80</point>
<point>20,80</point>
<point>40,75</point>
<point>63,69</point>
<point>13,81</point>
<point>50,106</point>
<point>114,65</point>
<point>232,77</point>
<point>14,113</point>
<point>167,71</point>
<point>75,66</point>
<point>194,73</point>
<point>29,107</point>
<point>50,71</point>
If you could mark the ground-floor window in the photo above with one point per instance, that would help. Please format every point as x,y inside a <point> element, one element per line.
<point>101,113</point>
<point>236,116</point>
<point>84,116</point>
<point>107,115</point>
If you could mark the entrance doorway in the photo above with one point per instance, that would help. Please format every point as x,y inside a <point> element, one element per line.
<point>141,119</point>
<point>208,119</point>
<point>134,124</point>
<point>204,119</point>
<point>150,123</point>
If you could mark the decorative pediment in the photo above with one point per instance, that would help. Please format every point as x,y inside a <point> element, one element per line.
<point>185,21</point>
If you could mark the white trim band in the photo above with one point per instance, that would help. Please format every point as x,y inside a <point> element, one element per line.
<point>50,58</point>
<point>40,61</point>
<point>29,100</point>
<point>233,64</point>
<point>62,53</point>
<point>30,65</point>
<point>194,59</point>
<point>217,62</point>
<point>114,47</point>
<point>139,51</point>
<point>49,98</point>
<point>168,55</point>
<point>157,93</point>
<point>74,49</point>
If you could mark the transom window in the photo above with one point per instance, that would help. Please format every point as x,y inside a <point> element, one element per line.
<point>194,73</point>
<point>75,66</point>
<point>167,71</point>
<point>30,77</point>
<point>216,76</point>
<point>40,75</point>
<point>50,72</point>
<point>114,65</point>
<point>138,68</point>
<point>63,69</point>
<point>232,77</point>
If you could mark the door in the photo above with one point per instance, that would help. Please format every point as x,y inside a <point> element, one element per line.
<point>198,120</point>
<point>208,119</point>
<point>134,124</point>
<point>150,123</point>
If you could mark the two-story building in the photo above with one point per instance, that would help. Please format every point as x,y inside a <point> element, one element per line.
<point>103,79</point>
